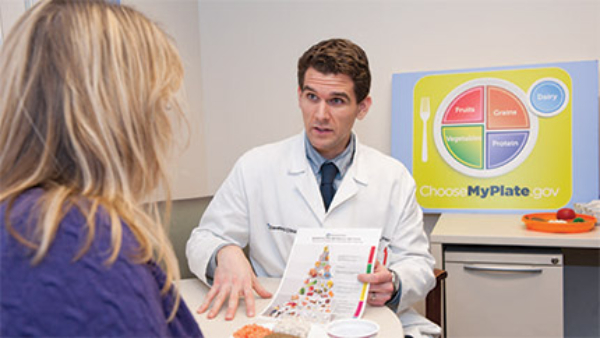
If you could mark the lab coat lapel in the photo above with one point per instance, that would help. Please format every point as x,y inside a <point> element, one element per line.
<point>304,179</point>
<point>355,177</point>
<point>347,190</point>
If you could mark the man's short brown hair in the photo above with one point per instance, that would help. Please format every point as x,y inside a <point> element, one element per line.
<point>338,56</point>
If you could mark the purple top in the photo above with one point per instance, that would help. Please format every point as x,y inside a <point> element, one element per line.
<point>63,297</point>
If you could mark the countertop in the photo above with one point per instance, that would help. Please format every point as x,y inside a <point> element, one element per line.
<point>504,229</point>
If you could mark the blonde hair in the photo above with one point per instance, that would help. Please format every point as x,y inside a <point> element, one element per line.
<point>87,101</point>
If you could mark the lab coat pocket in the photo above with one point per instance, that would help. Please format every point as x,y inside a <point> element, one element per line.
<point>282,236</point>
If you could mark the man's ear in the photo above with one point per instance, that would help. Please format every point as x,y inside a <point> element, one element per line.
<point>363,107</point>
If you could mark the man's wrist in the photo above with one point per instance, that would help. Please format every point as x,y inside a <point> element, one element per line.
<point>395,282</point>
<point>395,299</point>
<point>212,263</point>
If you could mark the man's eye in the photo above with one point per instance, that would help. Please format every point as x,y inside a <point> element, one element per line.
<point>337,101</point>
<point>311,96</point>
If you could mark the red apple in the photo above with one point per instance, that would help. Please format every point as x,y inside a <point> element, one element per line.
<point>565,213</point>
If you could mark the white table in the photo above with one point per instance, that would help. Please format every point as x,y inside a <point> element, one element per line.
<point>193,292</point>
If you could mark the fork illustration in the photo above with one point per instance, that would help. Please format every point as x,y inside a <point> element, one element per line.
<point>424,117</point>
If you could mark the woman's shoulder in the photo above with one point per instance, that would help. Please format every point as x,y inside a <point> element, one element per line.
<point>71,231</point>
<point>79,295</point>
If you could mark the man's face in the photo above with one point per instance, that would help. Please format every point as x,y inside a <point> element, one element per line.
<point>329,109</point>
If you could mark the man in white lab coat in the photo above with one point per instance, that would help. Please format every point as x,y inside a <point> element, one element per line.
<point>277,188</point>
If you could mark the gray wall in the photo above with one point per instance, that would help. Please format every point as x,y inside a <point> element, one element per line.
<point>184,218</point>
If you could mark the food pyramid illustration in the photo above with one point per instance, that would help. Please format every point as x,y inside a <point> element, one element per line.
<point>314,298</point>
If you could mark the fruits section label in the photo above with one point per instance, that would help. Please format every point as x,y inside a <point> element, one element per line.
<point>499,139</point>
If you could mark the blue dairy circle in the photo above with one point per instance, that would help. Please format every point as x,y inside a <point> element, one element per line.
<point>548,97</point>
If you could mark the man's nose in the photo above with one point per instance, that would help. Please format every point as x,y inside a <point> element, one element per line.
<point>322,111</point>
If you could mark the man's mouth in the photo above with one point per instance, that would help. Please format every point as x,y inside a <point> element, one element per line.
<point>322,129</point>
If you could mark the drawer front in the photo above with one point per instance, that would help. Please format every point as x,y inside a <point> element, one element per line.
<point>503,300</point>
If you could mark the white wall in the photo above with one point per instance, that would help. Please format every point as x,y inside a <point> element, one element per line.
<point>10,10</point>
<point>249,51</point>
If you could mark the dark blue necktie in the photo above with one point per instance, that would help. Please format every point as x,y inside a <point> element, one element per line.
<point>328,172</point>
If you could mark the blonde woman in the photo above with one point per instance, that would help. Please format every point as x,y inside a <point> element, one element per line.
<point>87,100</point>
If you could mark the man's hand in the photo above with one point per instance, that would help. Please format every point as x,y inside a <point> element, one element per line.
<point>233,279</point>
<point>381,288</point>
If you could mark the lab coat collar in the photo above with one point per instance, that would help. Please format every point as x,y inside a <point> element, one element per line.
<point>298,161</point>
<point>359,169</point>
<point>304,180</point>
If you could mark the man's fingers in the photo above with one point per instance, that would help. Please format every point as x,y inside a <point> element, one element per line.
<point>387,287</point>
<point>380,275</point>
<point>219,300</point>
<point>366,277</point>
<point>219,294</point>
<point>249,299</point>
<point>373,299</point>
<point>260,290</point>
<point>203,307</point>
<point>375,278</point>
<point>208,299</point>
<point>234,300</point>
<point>378,299</point>
<point>381,287</point>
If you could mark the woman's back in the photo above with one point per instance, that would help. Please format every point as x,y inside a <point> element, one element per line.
<point>85,297</point>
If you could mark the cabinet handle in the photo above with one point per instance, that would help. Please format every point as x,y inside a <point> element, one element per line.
<point>495,268</point>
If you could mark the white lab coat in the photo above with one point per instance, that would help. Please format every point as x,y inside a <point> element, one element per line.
<point>272,191</point>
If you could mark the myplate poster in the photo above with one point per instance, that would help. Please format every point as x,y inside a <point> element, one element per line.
<point>501,139</point>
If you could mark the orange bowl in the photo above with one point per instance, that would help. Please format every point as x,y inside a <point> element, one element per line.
<point>543,222</point>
